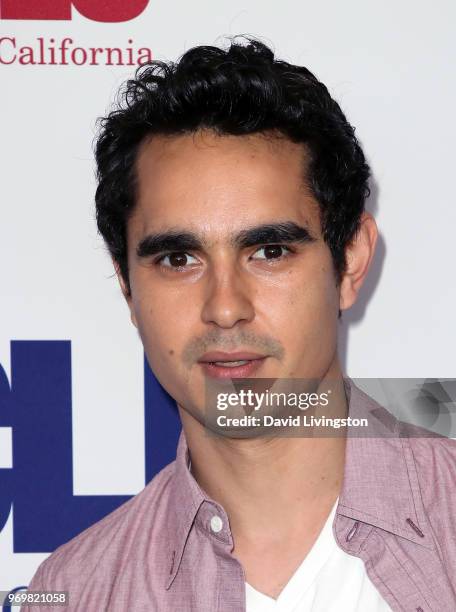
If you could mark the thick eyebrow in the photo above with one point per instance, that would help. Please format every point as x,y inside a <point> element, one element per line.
<point>168,241</point>
<point>274,233</point>
<point>269,233</point>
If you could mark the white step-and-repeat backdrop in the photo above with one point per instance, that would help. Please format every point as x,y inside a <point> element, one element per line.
<point>79,408</point>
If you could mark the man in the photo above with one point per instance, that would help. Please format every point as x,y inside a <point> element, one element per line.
<point>231,197</point>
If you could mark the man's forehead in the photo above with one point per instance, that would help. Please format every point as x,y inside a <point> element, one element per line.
<point>178,164</point>
<point>216,200</point>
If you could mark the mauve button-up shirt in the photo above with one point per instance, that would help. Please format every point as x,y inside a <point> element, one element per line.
<point>163,550</point>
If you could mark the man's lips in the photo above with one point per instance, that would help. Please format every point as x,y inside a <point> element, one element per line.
<point>227,357</point>
<point>239,364</point>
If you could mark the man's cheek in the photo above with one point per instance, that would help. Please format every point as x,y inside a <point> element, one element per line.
<point>152,340</point>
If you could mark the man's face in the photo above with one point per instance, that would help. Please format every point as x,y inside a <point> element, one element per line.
<point>229,273</point>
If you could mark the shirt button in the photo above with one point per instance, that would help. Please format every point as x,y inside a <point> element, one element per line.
<point>216,524</point>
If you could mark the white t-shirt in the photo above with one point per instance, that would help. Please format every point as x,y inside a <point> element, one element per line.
<point>328,580</point>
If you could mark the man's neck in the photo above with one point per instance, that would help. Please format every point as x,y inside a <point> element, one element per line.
<point>277,491</point>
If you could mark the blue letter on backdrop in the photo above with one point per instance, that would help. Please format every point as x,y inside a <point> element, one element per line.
<point>40,484</point>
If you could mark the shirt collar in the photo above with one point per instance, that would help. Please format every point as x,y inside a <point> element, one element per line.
<point>184,502</point>
<point>189,504</point>
<point>379,486</point>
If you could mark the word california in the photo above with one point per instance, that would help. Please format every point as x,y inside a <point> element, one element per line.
<point>65,52</point>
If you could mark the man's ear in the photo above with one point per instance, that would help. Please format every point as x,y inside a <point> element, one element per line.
<point>359,254</point>
<point>125,292</point>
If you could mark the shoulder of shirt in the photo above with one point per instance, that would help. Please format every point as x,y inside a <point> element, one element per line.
<point>106,538</point>
<point>426,443</point>
<point>435,460</point>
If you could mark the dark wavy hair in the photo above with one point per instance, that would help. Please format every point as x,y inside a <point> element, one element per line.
<point>240,90</point>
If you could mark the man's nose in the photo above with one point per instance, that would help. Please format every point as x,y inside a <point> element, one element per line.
<point>228,298</point>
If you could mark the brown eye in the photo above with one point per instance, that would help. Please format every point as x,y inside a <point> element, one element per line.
<point>271,251</point>
<point>176,260</point>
